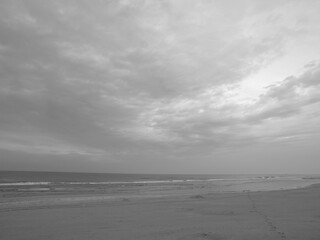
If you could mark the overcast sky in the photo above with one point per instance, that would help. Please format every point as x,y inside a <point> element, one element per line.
<point>159,86</point>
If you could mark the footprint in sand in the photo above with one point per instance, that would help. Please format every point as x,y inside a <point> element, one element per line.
<point>267,220</point>
<point>282,235</point>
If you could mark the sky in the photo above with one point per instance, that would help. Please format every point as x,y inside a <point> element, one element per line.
<point>160,86</point>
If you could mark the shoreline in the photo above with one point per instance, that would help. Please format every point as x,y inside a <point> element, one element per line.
<point>65,200</point>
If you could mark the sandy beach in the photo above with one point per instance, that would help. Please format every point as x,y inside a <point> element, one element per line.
<point>285,214</point>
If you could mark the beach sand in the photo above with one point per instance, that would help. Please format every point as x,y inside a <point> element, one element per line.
<point>285,214</point>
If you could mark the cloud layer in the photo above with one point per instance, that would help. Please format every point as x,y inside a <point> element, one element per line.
<point>141,84</point>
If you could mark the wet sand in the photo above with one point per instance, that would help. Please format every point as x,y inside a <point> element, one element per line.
<point>286,214</point>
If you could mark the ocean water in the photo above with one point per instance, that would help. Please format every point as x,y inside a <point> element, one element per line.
<point>29,177</point>
<point>128,184</point>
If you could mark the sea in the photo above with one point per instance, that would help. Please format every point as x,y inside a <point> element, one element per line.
<point>29,182</point>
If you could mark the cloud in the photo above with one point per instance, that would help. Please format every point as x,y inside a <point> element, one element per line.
<point>130,80</point>
<point>85,54</point>
<point>37,144</point>
<point>218,118</point>
<point>295,92</point>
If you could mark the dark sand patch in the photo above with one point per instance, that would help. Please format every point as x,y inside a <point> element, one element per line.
<point>197,197</point>
<point>203,236</point>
